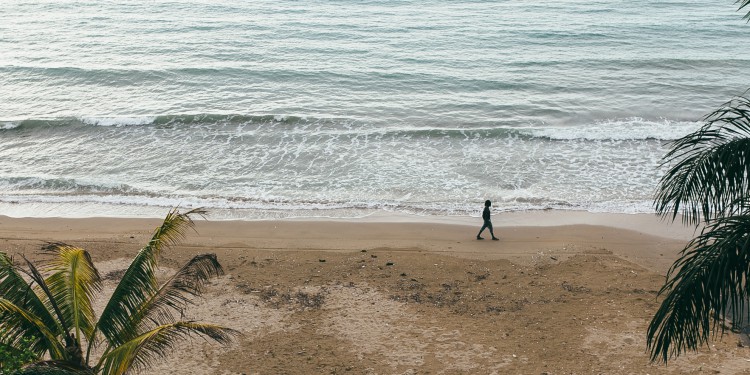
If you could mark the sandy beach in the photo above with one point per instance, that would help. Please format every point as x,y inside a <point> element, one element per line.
<point>560,293</point>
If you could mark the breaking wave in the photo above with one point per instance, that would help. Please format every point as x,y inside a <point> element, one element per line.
<point>611,129</point>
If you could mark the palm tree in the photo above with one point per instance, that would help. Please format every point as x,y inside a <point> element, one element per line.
<point>708,182</point>
<point>52,314</point>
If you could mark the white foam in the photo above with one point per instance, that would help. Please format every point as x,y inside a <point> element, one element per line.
<point>118,120</point>
<point>634,128</point>
<point>9,125</point>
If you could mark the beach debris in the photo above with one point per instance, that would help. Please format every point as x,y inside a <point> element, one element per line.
<point>321,260</point>
<point>575,289</point>
<point>481,277</point>
<point>374,256</point>
<point>494,309</point>
<point>303,299</point>
<point>389,263</point>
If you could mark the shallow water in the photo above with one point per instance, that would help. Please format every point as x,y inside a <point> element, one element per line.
<point>338,109</point>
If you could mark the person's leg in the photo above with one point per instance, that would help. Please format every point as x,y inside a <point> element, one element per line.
<point>479,235</point>
<point>492,232</point>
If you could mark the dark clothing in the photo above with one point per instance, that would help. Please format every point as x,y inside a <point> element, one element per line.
<point>487,223</point>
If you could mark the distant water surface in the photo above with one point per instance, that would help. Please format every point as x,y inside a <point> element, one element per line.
<point>272,109</point>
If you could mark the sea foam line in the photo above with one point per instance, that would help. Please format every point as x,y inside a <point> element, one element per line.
<point>634,128</point>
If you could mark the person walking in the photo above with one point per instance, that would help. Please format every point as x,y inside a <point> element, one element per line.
<point>487,222</point>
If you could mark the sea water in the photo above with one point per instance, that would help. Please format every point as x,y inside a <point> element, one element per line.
<point>275,109</point>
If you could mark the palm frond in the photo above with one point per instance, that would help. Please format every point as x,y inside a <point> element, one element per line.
<point>144,350</point>
<point>177,292</point>
<point>172,229</point>
<point>17,291</point>
<point>73,348</point>
<point>73,281</point>
<point>743,4</point>
<point>139,283</point>
<point>708,170</point>
<point>52,367</point>
<point>18,323</point>
<point>49,301</point>
<point>709,279</point>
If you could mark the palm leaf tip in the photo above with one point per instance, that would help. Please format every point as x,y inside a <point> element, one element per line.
<point>144,350</point>
<point>743,4</point>
<point>221,335</point>
<point>194,275</point>
<point>177,292</point>
<point>172,229</point>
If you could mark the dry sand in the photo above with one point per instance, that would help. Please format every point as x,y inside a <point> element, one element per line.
<point>561,293</point>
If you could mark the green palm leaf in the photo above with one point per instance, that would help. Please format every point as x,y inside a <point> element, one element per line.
<point>177,292</point>
<point>73,351</point>
<point>708,177</point>
<point>710,278</point>
<point>18,323</point>
<point>17,291</point>
<point>52,368</point>
<point>73,281</point>
<point>139,283</point>
<point>144,350</point>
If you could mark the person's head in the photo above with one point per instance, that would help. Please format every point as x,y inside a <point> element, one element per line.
<point>487,203</point>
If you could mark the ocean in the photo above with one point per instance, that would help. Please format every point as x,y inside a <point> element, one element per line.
<point>287,109</point>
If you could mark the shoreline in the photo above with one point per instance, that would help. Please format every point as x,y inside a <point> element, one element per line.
<point>638,237</point>
<point>642,222</point>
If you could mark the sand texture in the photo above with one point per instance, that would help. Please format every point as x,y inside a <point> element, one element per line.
<point>332,297</point>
